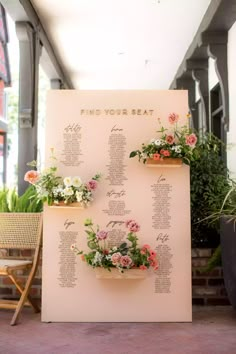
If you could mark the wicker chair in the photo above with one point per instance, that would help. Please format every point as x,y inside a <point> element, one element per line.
<point>20,231</point>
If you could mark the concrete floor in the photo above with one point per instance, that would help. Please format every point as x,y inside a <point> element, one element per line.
<point>213,331</point>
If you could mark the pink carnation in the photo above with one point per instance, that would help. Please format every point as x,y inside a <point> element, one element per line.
<point>143,267</point>
<point>31,176</point>
<point>134,227</point>
<point>170,139</point>
<point>173,118</point>
<point>125,261</point>
<point>115,258</point>
<point>191,139</point>
<point>144,249</point>
<point>166,153</point>
<point>154,264</point>
<point>152,253</point>
<point>156,157</point>
<point>92,185</point>
<point>101,235</point>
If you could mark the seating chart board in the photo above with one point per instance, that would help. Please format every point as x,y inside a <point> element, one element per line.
<point>94,132</point>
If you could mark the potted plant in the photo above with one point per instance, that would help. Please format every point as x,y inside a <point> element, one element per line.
<point>11,202</point>
<point>228,242</point>
<point>171,147</point>
<point>209,184</point>
<point>124,261</point>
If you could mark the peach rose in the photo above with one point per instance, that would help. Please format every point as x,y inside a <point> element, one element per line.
<point>31,176</point>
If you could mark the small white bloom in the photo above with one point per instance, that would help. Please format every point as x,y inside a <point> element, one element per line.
<point>97,258</point>
<point>67,181</point>
<point>159,142</point>
<point>143,155</point>
<point>177,149</point>
<point>76,181</point>
<point>68,191</point>
<point>79,196</point>
<point>152,141</point>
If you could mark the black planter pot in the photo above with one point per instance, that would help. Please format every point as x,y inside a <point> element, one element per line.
<point>228,246</point>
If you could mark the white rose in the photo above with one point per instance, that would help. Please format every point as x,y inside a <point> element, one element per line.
<point>67,181</point>
<point>68,191</point>
<point>76,181</point>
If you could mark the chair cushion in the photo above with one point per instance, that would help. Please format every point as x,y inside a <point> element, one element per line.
<point>12,263</point>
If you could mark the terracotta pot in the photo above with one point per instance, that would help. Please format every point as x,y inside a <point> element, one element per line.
<point>165,162</point>
<point>134,273</point>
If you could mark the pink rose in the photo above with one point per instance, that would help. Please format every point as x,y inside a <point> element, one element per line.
<point>170,139</point>
<point>115,258</point>
<point>173,118</point>
<point>191,139</point>
<point>92,185</point>
<point>125,261</point>
<point>143,267</point>
<point>156,157</point>
<point>134,227</point>
<point>128,222</point>
<point>31,176</point>
<point>101,235</point>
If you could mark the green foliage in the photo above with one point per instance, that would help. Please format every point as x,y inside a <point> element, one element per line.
<point>209,185</point>
<point>214,261</point>
<point>10,202</point>
<point>229,204</point>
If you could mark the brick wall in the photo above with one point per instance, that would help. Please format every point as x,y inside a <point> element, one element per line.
<point>207,288</point>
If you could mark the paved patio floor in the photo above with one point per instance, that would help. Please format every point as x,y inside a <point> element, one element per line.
<point>212,331</point>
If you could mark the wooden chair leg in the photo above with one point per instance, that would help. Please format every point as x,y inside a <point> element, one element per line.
<point>21,289</point>
<point>23,298</point>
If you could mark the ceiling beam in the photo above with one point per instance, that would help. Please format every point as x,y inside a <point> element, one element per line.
<point>22,10</point>
<point>218,11</point>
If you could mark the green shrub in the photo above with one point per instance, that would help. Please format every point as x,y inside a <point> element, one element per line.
<point>10,202</point>
<point>209,185</point>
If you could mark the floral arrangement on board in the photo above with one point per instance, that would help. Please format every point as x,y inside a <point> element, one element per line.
<point>171,143</point>
<point>127,255</point>
<point>55,189</point>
